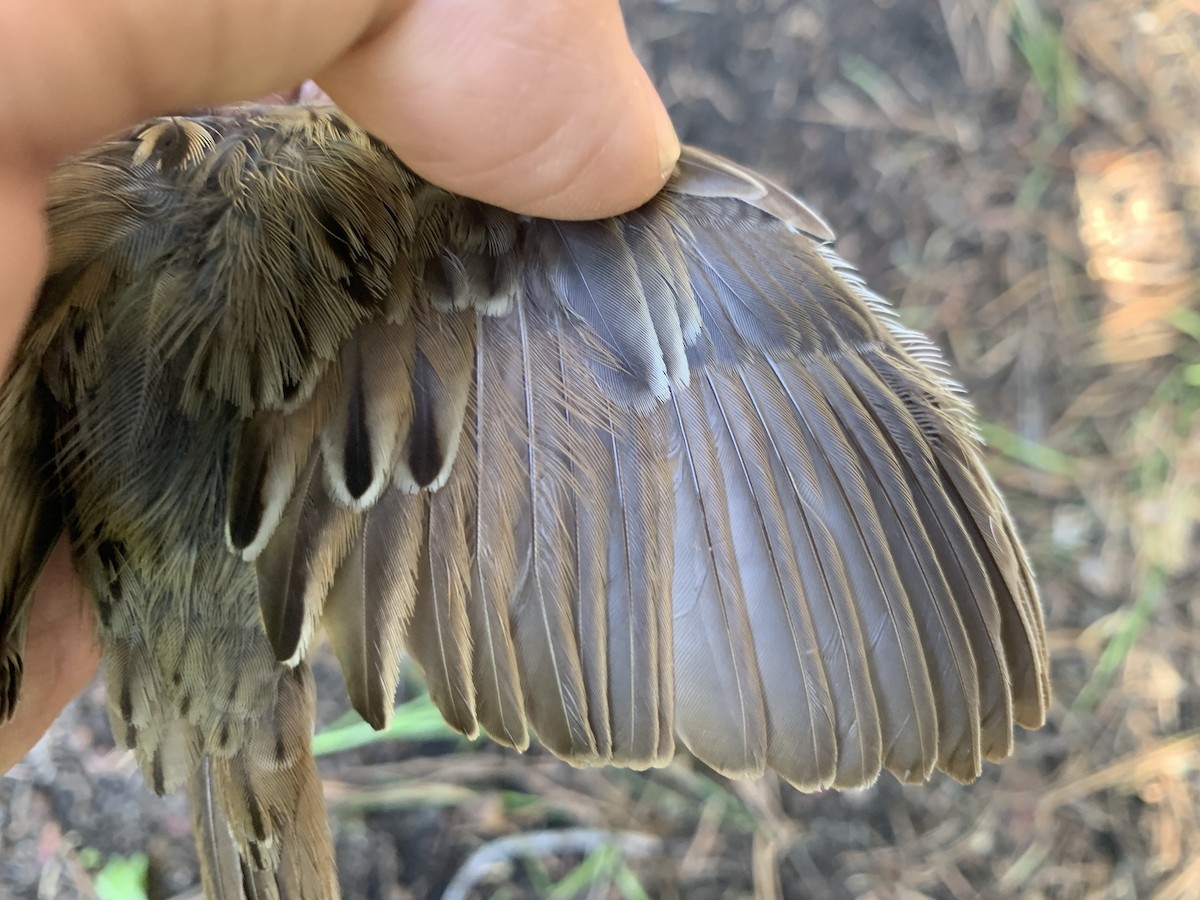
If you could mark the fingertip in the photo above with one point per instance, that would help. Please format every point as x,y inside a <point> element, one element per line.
<point>22,249</point>
<point>614,156</point>
<point>666,139</point>
<point>544,112</point>
<point>61,656</point>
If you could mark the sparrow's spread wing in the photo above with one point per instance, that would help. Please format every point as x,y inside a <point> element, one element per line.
<point>676,472</point>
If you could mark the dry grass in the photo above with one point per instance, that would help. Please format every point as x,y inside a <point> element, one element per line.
<point>1023,177</point>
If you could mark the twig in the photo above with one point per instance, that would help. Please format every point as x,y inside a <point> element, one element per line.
<point>502,851</point>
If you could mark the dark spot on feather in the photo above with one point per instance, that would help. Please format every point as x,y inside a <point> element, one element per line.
<point>223,735</point>
<point>104,608</point>
<point>111,553</point>
<point>185,705</point>
<point>248,889</point>
<point>381,148</point>
<point>170,147</point>
<point>256,857</point>
<point>245,515</point>
<point>212,185</point>
<point>156,769</point>
<point>290,388</point>
<point>357,448</point>
<point>292,381</point>
<point>338,124</point>
<point>500,275</point>
<point>343,248</point>
<point>437,283</point>
<point>284,617</point>
<point>254,380</point>
<point>131,737</point>
<point>112,556</point>
<point>125,702</point>
<point>80,335</point>
<point>10,677</point>
<point>256,819</point>
<point>54,289</point>
<point>280,749</point>
<point>423,449</point>
<point>177,678</point>
<point>424,455</point>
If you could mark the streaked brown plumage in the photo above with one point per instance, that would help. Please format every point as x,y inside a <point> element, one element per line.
<point>673,473</point>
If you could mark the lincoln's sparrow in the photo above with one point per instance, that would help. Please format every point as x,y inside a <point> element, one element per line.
<point>677,473</point>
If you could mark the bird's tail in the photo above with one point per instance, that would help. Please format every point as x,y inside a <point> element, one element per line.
<point>259,814</point>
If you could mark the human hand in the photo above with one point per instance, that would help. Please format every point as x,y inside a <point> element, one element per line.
<point>541,108</point>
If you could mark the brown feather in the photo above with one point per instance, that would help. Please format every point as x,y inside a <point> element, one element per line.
<point>363,437</point>
<point>270,453</point>
<point>370,603</point>
<point>900,677</point>
<point>542,618</point>
<point>298,564</point>
<point>719,704</point>
<point>636,602</point>
<point>271,797</point>
<point>500,506</point>
<point>220,862</point>
<point>442,376</point>
<point>802,731</point>
<point>440,637</point>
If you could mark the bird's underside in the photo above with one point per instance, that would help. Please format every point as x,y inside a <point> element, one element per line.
<point>672,475</point>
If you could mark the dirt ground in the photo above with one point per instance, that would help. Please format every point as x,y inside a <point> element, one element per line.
<point>1023,178</point>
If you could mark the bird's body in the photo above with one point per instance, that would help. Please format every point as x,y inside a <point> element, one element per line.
<point>673,473</point>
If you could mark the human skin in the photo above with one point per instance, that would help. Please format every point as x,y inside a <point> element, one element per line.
<point>538,107</point>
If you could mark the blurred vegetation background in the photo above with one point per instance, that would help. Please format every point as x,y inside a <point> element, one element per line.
<point>1022,177</point>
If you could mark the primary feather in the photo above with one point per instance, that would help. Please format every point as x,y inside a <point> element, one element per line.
<point>676,473</point>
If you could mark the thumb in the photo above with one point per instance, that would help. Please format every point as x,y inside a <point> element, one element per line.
<point>60,656</point>
<point>538,107</point>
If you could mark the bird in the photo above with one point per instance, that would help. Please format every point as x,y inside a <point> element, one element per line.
<point>676,478</point>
